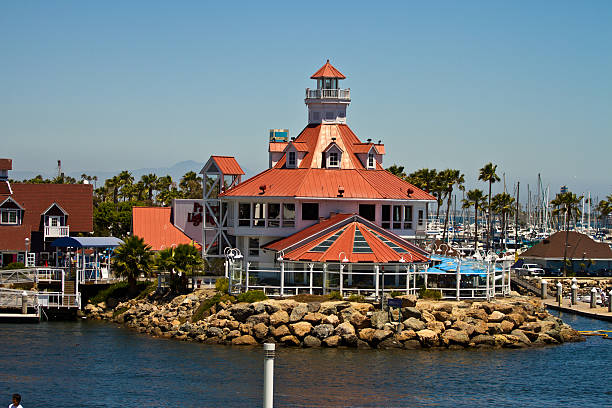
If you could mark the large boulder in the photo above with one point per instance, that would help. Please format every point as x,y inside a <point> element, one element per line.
<point>367,334</point>
<point>314,317</point>
<point>359,320</point>
<point>406,335</point>
<point>279,317</point>
<point>408,312</point>
<point>428,338</point>
<point>290,341</point>
<point>345,329</point>
<point>258,318</point>
<point>331,319</point>
<point>244,340</point>
<point>362,308</point>
<point>413,323</point>
<point>483,339</point>
<point>332,341</point>
<point>477,313</point>
<point>260,331</point>
<point>311,341</point>
<point>521,336</point>
<point>506,326</point>
<point>298,312</point>
<point>379,319</point>
<point>380,335</point>
<point>279,331</point>
<point>390,343</point>
<point>300,329</point>
<point>463,326</point>
<point>453,336</point>
<point>323,330</point>
<point>496,316</point>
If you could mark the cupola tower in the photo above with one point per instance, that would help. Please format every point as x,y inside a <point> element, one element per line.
<point>327,103</point>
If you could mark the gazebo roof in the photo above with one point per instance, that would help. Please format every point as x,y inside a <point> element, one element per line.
<point>348,236</point>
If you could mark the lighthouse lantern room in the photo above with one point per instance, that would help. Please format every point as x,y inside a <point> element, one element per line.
<point>327,103</point>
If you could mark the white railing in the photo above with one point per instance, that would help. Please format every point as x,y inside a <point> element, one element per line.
<point>59,300</point>
<point>328,93</point>
<point>56,232</point>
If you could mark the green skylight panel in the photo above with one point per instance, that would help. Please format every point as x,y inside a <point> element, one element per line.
<point>324,246</point>
<point>360,245</point>
<point>391,244</point>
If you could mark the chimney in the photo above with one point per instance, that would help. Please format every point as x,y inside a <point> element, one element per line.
<point>5,166</point>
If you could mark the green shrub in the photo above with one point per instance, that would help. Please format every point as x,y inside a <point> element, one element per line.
<point>430,294</point>
<point>204,307</point>
<point>150,288</point>
<point>117,312</point>
<point>121,290</point>
<point>335,295</point>
<point>356,298</point>
<point>252,296</point>
<point>395,294</point>
<point>222,285</point>
<point>14,265</point>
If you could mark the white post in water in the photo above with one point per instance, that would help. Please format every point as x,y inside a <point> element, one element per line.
<point>24,302</point>
<point>593,298</point>
<point>282,278</point>
<point>268,398</point>
<point>559,292</point>
<point>544,293</point>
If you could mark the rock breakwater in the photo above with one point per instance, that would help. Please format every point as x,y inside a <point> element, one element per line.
<point>516,322</point>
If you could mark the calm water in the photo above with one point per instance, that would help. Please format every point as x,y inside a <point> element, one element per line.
<point>93,364</point>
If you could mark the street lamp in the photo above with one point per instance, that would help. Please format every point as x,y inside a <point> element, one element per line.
<point>27,249</point>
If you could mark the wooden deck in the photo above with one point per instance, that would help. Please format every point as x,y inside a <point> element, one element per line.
<point>581,308</point>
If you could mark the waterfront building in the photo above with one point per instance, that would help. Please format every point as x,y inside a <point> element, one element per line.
<point>584,254</point>
<point>32,216</point>
<point>160,226</point>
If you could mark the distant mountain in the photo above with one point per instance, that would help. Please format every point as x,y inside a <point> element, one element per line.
<point>176,171</point>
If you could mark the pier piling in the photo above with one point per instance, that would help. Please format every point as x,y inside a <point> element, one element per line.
<point>574,294</point>
<point>269,352</point>
<point>593,298</point>
<point>559,293</point>
<point>543,285</point>
<point>24,302</point>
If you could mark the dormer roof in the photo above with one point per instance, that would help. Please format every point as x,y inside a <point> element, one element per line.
<point>327,71</point>
<point>222,164</point>
<point>299,146</point>
<point>54,205</point>
<point>364,148</point>
<point>277,147</point>
<point>11,200</point>
<point>332,144</point>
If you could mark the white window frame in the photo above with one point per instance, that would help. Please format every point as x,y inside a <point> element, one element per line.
<point>331,162</point>
<point>253,249</point>
<point>8,217</point>
<point>371,160</point>
<point>292,155</point>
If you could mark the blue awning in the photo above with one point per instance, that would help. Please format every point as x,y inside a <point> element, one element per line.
<point>87,242</point>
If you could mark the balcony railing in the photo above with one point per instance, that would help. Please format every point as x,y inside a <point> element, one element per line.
<point>328,94</point>
<point>56,232</point>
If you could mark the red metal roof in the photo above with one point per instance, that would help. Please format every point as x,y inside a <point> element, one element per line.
<point>383,246</point>
<point>154,226</point>
<point>299,146</point>
<point>227,165</point>
<point>6,164</point>
<point>327,71</point>
<point>75,199</point>
<point>324,183</point>
<point>363,148</point>
<point>5,188</point>
<point>277,147</point>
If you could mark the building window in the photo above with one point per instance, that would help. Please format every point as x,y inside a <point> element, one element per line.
<point>368,211</point>
<point>288,215</point>
<point>420,217</point>
<point>371,162</point>
<point>274,210</point>
<point>386,216</point>
<point>254,247</point>
<point>310,211</point>
<point>407,217</point>
<point>9,217</point>
<point>397,217</point>
<point>259,214</point>
<point>244,214</point>
<point>333,159</point>
<point>329,116</point>
<point>291,160</point>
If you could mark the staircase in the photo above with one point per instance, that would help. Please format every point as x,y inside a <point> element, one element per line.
<point>69,289</point>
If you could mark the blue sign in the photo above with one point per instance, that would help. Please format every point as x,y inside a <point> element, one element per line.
<point>394,302</point>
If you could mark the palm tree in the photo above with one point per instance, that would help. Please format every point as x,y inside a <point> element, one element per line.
<point>503,204</point>
<point>425,179</point>
<point>449,178</point>
<point>397,171</point>
<point>162,185</point>
<point>566,204</point>
<point>149,182</point>
<point>487,174</point>
<point>131,259</point>
<point>605,209</point>
<point>191,185</point>
<point>125,182</point>
<point>187,258</point>
<point>477,199</point>
<point>113,184</point>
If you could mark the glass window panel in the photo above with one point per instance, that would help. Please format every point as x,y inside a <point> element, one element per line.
<point>244,214</point>
<point>274,215</point>
<point>259,214</point>
<point>288,215</point>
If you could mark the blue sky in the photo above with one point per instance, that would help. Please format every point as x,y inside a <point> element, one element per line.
<point>110,86</point>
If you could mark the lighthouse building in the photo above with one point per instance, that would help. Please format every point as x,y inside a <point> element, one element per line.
<point>325,173</point>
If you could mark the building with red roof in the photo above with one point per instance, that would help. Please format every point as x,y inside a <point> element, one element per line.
<point>154,225</point>
<point>33,215</point>
<point>325,170</point>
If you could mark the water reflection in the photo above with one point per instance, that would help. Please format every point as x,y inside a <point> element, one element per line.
<point>92,364</point>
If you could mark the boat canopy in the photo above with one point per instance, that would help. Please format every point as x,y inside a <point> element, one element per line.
<point>468,267</point>
<point>87,242</point>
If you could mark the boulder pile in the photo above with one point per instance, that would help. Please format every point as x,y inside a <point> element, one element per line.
<point>515,322</point>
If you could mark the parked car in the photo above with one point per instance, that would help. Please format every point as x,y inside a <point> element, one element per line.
<point>532,270</point>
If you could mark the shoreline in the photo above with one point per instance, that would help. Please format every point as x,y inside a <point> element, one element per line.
<point>208,317</point>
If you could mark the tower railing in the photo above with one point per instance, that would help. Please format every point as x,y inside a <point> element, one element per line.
<point>328,93</point>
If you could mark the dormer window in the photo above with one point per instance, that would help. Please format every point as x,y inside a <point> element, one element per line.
<point>291,159</point>
<point>9,217</point>
<point>371,161</point>
<point>333,159</point>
